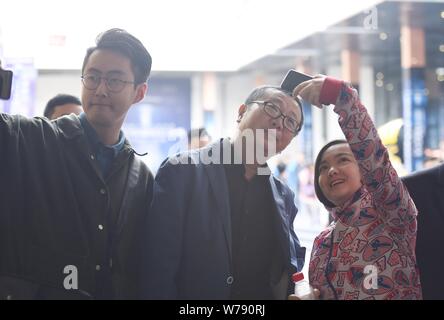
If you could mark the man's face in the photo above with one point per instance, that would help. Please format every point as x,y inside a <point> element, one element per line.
<point>65,109</point>
<point>102,106</point>
<point>255,118</point>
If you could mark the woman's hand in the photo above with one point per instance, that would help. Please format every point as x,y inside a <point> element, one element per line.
<point>310,90</point>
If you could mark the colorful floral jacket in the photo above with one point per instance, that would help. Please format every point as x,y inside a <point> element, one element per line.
<point>368,252</point>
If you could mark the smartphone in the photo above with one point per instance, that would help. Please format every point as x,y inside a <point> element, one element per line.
<point>292,79</point>
<point>5,84</point>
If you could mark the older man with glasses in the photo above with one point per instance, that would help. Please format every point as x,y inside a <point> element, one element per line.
<point>73,195</point>
<point>221,227</point>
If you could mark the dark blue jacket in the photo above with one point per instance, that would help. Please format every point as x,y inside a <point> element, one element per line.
<point>189,232</point>
<point>427,191</point>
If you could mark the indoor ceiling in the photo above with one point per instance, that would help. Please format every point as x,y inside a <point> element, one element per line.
<point>192,35</point>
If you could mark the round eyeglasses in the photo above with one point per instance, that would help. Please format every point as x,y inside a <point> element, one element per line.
<point>92,82</point>
<point>275,112</point>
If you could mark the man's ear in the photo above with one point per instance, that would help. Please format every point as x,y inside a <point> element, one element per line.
<point>141,91</point>
<point>241,112</point>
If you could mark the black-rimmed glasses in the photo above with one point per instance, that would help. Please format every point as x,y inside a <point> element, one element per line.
<point>92,82</point>
<point>275,112</point>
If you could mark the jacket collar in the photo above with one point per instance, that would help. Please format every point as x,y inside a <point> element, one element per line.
<point>71,127</point>
<point>94,139</point>
<point>218,182</point>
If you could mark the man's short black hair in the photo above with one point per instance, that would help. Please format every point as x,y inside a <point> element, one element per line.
<point>59,100</point>
<point>120,41</point>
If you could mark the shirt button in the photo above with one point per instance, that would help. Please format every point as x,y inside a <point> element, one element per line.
<point>102,191</point>
<point>9,297</point>
<point>100,227</point>
<point>230,280</point>
<point>92,157</point>
<point>98,267</point>
<point>110,263</point>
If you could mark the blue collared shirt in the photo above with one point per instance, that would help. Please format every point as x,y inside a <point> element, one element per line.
<point>103,153</point>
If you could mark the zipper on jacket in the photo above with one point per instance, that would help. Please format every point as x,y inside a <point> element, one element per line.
<point>328,266</point>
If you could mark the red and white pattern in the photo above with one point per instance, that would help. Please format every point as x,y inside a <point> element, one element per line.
<point>375,228</point>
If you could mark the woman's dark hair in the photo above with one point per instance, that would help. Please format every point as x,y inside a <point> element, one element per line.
<point>318,190</point>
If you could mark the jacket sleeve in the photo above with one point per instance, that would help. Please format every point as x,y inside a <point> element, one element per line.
<point>9,131</point>
<point>17,130</point>
<point>378,174</point>
<point>23,142</point>
<point>165,225</point>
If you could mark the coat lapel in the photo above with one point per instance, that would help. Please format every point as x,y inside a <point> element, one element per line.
<point>219,186</point>
<point>441,175</point>
<point>283,228</point>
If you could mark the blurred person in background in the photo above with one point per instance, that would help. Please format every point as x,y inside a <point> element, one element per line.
<point>61,105</point>
<point>198,138</point>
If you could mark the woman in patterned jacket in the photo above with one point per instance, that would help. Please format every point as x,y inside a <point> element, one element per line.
<point>368,251</point>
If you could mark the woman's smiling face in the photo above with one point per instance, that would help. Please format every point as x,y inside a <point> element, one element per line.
<point>339,176</point>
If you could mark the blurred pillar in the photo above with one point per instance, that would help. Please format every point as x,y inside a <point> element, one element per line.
<point>211,110</point>
<point>351,63</point>
<point>303,65</point>
<point>414,98</point>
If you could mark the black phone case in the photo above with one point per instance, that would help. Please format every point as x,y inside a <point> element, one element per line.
<point>5,84</point>
<point>292,79</point>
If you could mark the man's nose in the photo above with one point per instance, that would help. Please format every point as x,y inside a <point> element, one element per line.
<point>102,89</point>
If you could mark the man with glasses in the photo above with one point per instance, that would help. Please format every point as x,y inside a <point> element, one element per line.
<point>73,195</point>
<point>221,227</point>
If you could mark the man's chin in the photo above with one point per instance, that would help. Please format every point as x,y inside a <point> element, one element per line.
<point>100,118</point>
